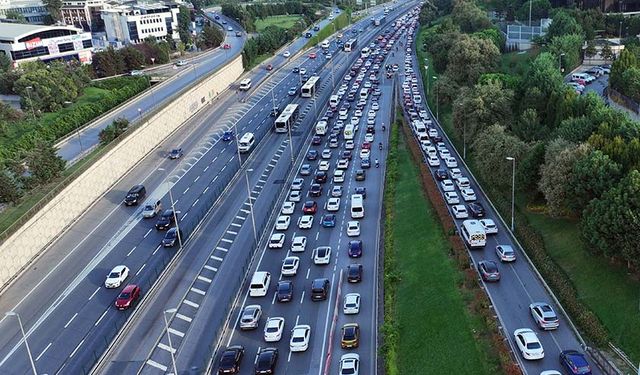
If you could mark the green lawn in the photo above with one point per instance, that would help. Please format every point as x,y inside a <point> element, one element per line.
<point>435,329</point>
<point>516,62</point>
<point>284,21</point>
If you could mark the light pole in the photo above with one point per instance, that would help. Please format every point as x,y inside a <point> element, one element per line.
<point>437,99</point>
<point>139,112</point>
<point>513,191</point>
<point>246,175</point>
<point>24,337</point>
<point>426,69</point>
<point>166,326</point>
<point>33,112</point>
<point>175,218</point>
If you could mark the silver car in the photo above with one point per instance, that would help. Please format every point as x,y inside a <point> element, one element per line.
<point>544,316</point>
<point>250,317</point>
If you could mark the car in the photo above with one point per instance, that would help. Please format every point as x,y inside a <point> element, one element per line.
<point>350,336</point>
<point>172,236</point>
<point>166,220</point>
<point>353,228</point>
<point>303,71</point>
<point>342,164</point>
<point>455,174</point>
<point>362,191</point>
<point>227,136</point>
<point>116,277</point>
<point>266,360</point>
<point>305,222</point>
<point>305,170</point>
<point>328,56</point>
<point>295,195</point>
<point>350,364</point>
<point>441,175</point>
<point>316,28</point>
<point>505,253</point>
<point>284,291</point>
<point>273,329</point>
<point>360,175</point>
<point>286,54</point>
<point>300,335</point>
<point>489,226</point>
<point>290,266</point>
<point>346,154</point>
<point>277,240</point>
<point>320,177</point>
<point>451,197</point>
<point>351,304</point>
<point>298,244</point>
<point>375,106</point>
<point>226,46</point>
<point>447,185</point>
<point>574,362</point>
<point>229,28</point>
<point>544,316</point>
<point>313,55</point>
<point>230,360</point>
<point>181,63</point>
<point>336,191</point>
<point>528,343</point>
<point>151,210</point>
<point>312,155</point>
<point>333,142</point>
<point>250,317</point>
<point>288,208</point>
<point>489,270</point>
<point>292,91</point>
<point>326,154</point>
<point>283,221</point>
<point>468,194</point>
<point>128,297</point>
<point>275,111</point>
<point>369,137</point>
<point>365,163</point>
<point>450,162</point>
<point>463,183</point>
<point>328,221</point>
<point>324,165</point>
<point>321,255</point>
<point>476,209</point>
<point>176,153</point>
<point>459,211</point>
<point>333,204</point>
<point>354,273</point>
<point>315,190</point>
<point>310,207</point>
<point>349,144</point>
<point>355,248</point>
<point>365,153</point>
<point>433,161</point>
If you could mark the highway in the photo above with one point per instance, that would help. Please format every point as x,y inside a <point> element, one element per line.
<point>68,316</point>
<point>520,284</point>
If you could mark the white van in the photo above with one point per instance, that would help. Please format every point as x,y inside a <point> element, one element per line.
<point>246,142</point>
<point>245,84</point>
<point>583,77</point>
<point>325,44</point>
<point>357,206</point>
<point>473,233</point>
<point>321,127</point>
<point>364,93</point>
<point>260,284</point>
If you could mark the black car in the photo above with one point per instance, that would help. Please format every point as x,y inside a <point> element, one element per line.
<point>329,114</point>
<point>476,209</point>
<point>316,28</point>
<point>296,69</point>
<point>441,174</point>
<point>361,190</point>
<point>171,237</point>
<point>166,220</point>
<point>371,129</point>
<point>230,360</point>
<point>284,291</point>
<point>227,136</point>
<point>315,190</point>
<point>355,249</point>
<point>312,155</point>
<point>319,289</point>
<point>354,273</point>
<point>275,111</point>
<point>316,140</point>
<point>360,175</point>
<point>346,154</point>
<point>266,361</point>
<point>176,153</point>
<point>320,177</point>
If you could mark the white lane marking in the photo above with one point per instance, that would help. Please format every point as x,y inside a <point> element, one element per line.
<point>206,266</point>
<point>232,232</point>
<point>156,250</point>
<point>167,348</point>
<point>185,190</point>
<point>222,248</point>
<point>100,318</point>
<point>183,317</point>
<point>273,300</point>
<point>317,235</point>
<point>205,190</point>
<point>198,291</point>
<point>45,349</point>
<point>214,179</point>
<point>196,202</point>
<point>157,365</point>
<point>236,225</point>
<point>132,250</point>
<point>216,258</point>
<point>94,293</point>
<point>205,279</point>
<point>205,168</point>
<point>146,234</point>
<point>197,178</point>
<point>308,271</point>
<point>176,332</point>
<point>141,268</point>
<point>302,297</point>
<point>226,240</point>
<point>191,303</point>
<point>76,349</point>
<point>184,216</point>
<point>70,320</point>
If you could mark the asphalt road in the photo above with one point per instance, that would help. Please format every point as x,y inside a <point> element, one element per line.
<point>66,312</point>
<point>519,285</point>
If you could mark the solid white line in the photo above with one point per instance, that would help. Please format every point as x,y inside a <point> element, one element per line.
<point>232,232</point>
<point>176,332</point>
<point>94,293</point>
<point>141,268</point>
<point>205,279</point>
<point>45,349</point>
<point>183,317</point>
<point>155,364</point>
<point>198,291</point>
<point>190,303</point>
<point>100,318</point>
<point>76,349</point>
<point>70,320</point>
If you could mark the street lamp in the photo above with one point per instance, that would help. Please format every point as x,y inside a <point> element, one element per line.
<point>33,112</point>
<point>24,337</point>
<point>513,191</point>
<point>437,99</point>
<point>166,326</point>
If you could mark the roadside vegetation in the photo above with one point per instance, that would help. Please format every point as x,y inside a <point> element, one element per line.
<point>285,21</point>
<point>340,22</point>
<point>577,160</point>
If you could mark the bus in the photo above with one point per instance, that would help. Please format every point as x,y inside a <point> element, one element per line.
<point>378,21</point>
<point>473,233</point>
<point>350,45</point>
<point>245,84</point>
<point>364,53</point>
<point>309,88</point>
<point>348,131</point>
<point>287,118</point>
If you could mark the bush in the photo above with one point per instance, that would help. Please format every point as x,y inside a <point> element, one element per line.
<point>113,131</point>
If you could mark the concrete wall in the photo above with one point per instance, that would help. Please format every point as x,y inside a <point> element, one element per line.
<point>33,238</point>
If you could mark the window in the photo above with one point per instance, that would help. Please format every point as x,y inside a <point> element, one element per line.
<point>38,51</point>
<point>87,43</point>
<point>65,47</point>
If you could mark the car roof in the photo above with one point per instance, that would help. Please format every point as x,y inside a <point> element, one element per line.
<point>119,268</point>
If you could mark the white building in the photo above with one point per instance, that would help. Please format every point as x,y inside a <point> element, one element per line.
<point>132,24</point>
<point>33,10</point>
<point>22,43</point>
<point>84,14</point>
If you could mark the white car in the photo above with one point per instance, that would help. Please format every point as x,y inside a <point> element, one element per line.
<point>336,191</point>
<point>295,195</point>
<point>433,133</point>
<point>368,137</point>
<point>371,113</point>
<point>288,208</point>
<point>455,173</point>
<point>338,176</point>
<point>290,266</point>
<point>489,226</point>
<point>116,277</point>
<point>351,304</point>
<point>451,197</point>
<point>300,338</point>
<point>468,194</point>
<point>342,164</point>
<point>365,153</point>
<point>333,204</point>
<point>350,364</point>
<point>355,121</point>
<point>529,344</point>
<point>305,222</point>
<point>349,145</point>
<point>451,162</point>
<point>447,185</point>
<point>353,228</point>
<point>303,71</point>
<point>460,211</point>
<point>299,244</point>
<point>463,183</point>
<point>375,106</point>
<point>277,241</point>
<point>283,222</point>
<point>321,255</point>
<point>297,184</point>
<point>444,154</point>
<point>371,121</point>
<point>273,329</point>
<point>357,113</point>
<point>433,161</point>
<point>431,151</point>
<point>324,165</point>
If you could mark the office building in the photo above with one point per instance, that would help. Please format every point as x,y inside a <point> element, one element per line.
<point>33,10</point>
<point>84,14</point>
<point>127,24</point>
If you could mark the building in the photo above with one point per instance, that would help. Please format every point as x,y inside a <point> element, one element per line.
<point>519,37</point>
<point>33,10</point>
<point>84,14</point>
<point>134,23</point>
<point>21,42</point>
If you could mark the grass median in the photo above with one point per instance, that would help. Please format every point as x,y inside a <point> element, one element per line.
<point>284,21</point>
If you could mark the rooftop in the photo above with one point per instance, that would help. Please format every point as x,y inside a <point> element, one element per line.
<point>12,31</point>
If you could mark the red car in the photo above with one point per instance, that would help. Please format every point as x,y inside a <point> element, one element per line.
<point>128,297</point>
<point>366,145</point>
<point>269,67</point>
<point>310,207</point>
<point>226,46</point>
<point>312,55</point>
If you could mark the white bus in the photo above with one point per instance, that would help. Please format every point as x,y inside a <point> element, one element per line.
<point>350,45</point>
<point>364,53</point>
<point>287,118</point>
<point>333,101</point>
<point>321,127</point>
<point>357,206</point>
<point>309,88</point>
<point>245,84</point>
<point>349,131</point>
<point>473,233</point>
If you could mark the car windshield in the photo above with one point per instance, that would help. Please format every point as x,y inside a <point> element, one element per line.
<point>124,295</point>
<point>283,287</point>
<point>114,275</point>
<point>148,208</point>
<point>264,361</point>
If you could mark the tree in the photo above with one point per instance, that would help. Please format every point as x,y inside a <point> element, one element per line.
<point>528,169</point>
<point>44,163</point>
<point>114,130</point>
<point>631,79</point>
<point>626,60</point>
<point>590,51</point>
<point>5,63</point>
<point>496,145</point>
<point>16,16</point>
<point>570,45</point>
<point>493,34</point>
<point>10,190</point>
<point>50,86</point>
<point>469,16</point>
<point>528,127</point>
<point>184,23</point>
<point>563,24</point>
<point>539,9</point>
<point>593,175</point>
<point>108,63</point>
<point>210,37</point>
<point>53,7</point>
<point>132,58</point>
<point>470,57</point>
<point>607,52</point>
<point>543,81</point>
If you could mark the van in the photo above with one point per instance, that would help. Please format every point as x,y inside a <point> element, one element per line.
<point>245,84</point>
<point>333,101</point>
<point>135,195</point>
<point>473,233</point>
<point>357,206</point>
<point>582,76</point>
<point>321,127</point>
<point>246,142</point>
<point>260,284</point>
<point>325,44</point>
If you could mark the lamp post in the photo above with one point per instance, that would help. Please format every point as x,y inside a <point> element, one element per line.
<point>246,175</point>
<point>513,191</point>
<point>437,99</point>
<point>166,326</point>
<point>24,337</point>
<point>33,112</point>
<point>175,218</point>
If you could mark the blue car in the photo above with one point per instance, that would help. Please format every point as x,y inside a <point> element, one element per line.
<point>575,362</point>
<point>227,136</point>
<point>329,221</point>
